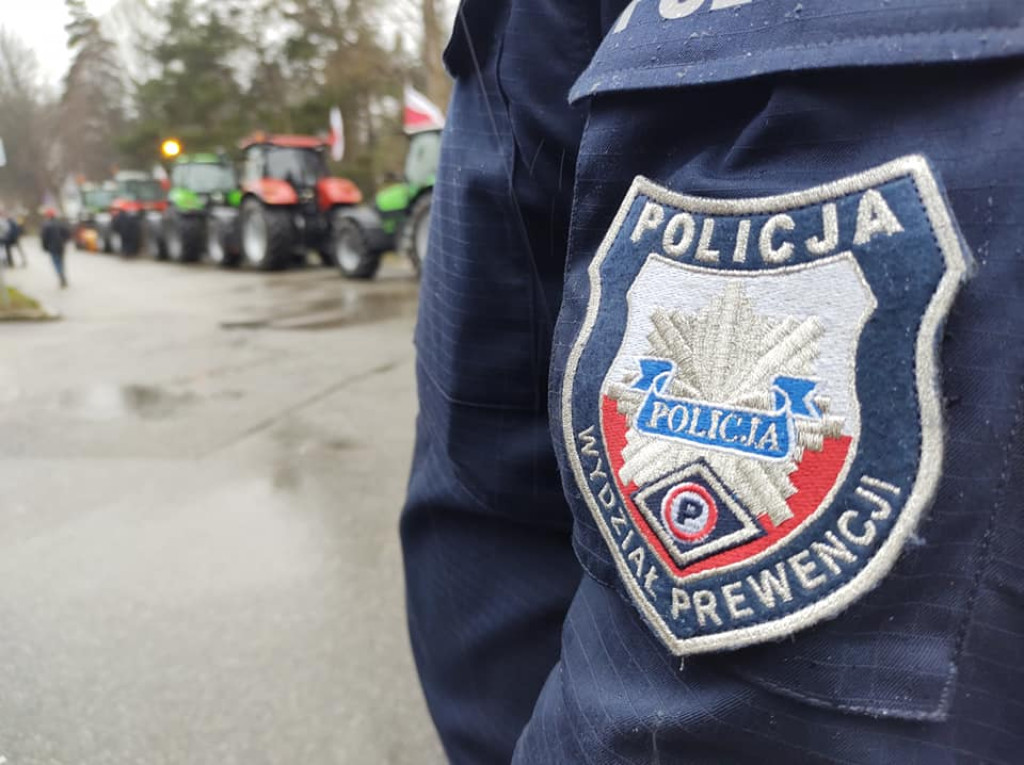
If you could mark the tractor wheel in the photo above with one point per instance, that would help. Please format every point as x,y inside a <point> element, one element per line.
<point>216,244</point>
<point>415,234</point>
<point>185,237</point>
<point>129,237</point>
<point>155,245</point>
<point>267,237</point>
<point>325,253</point>
<point>352,251</point>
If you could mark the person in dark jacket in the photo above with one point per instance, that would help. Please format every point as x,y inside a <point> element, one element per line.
<point>6,228</point>
<point>12,241</point>
<point>55,235</point>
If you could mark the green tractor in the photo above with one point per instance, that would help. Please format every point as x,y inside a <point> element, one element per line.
<point>399,219</point>
<point>202,212</point>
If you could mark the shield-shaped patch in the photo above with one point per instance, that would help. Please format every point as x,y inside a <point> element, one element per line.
<point>752,405</point>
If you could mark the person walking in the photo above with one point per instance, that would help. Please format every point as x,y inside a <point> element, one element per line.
<point>12,241</point>
<point>55,235</point>
<point>5,233</point>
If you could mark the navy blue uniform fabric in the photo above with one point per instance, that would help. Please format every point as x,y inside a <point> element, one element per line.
<point>490,569</point>
<point>739,101</point>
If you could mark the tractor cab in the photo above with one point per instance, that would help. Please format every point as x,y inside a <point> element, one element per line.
<point>96,199</point>
<point>423,158</point>
<point>139,200</point>
<point>92,220</point>
<point>404,207</point>
<point>421,161</point>
<point>204,188</point>
<point>203,214</point>
<point>300,167</point>
<point>199,179</point>
<point>400,217</point>
<point>292,169</point>
<point>289,199</point>
<point>138,191</point>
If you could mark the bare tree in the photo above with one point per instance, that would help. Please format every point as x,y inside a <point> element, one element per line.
<point>93,104</point>
<point>437,82</point>
<point>27,125</point>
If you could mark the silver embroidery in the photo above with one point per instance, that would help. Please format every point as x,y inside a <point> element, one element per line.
<point>727,354</point>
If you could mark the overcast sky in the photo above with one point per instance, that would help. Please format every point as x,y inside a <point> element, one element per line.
<point>40,23</point>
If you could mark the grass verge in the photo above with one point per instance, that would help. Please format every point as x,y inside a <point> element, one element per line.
<point>20,301</point>
<point>23,308</point>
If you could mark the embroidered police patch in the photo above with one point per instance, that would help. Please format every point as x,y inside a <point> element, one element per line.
<point>752,408</point>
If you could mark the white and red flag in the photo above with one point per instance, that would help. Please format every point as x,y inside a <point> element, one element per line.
<point>337,137</point>
<point>420,112</point>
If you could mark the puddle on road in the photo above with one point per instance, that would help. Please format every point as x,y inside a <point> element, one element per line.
<point>349,308</point>
<point>110,402</point>
<point>303,446</point>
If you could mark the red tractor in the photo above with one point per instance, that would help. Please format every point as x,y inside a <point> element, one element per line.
<point>289,202</point>
<point>139,200</point>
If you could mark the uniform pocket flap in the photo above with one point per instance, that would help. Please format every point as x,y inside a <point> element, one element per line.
<point>668,43</point>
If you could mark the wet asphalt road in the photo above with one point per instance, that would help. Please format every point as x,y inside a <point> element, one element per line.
<point>200,479</point>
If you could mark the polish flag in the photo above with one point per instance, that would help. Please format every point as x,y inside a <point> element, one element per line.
<point>337,137</point>
<point>420,113</point>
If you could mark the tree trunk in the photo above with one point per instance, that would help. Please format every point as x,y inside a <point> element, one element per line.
<point>438,85</point>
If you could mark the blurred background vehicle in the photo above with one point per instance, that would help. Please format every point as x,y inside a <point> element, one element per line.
<point>199,463</point>
<point>91,224</point>
<point>202,206</point>
<point>413,227</point>
<point>400,217</point>
<point>136,211</point>
<point>289,200</point>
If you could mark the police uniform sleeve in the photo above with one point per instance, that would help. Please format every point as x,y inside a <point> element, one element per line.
<point>486,530</point>
<point>787,386</point>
